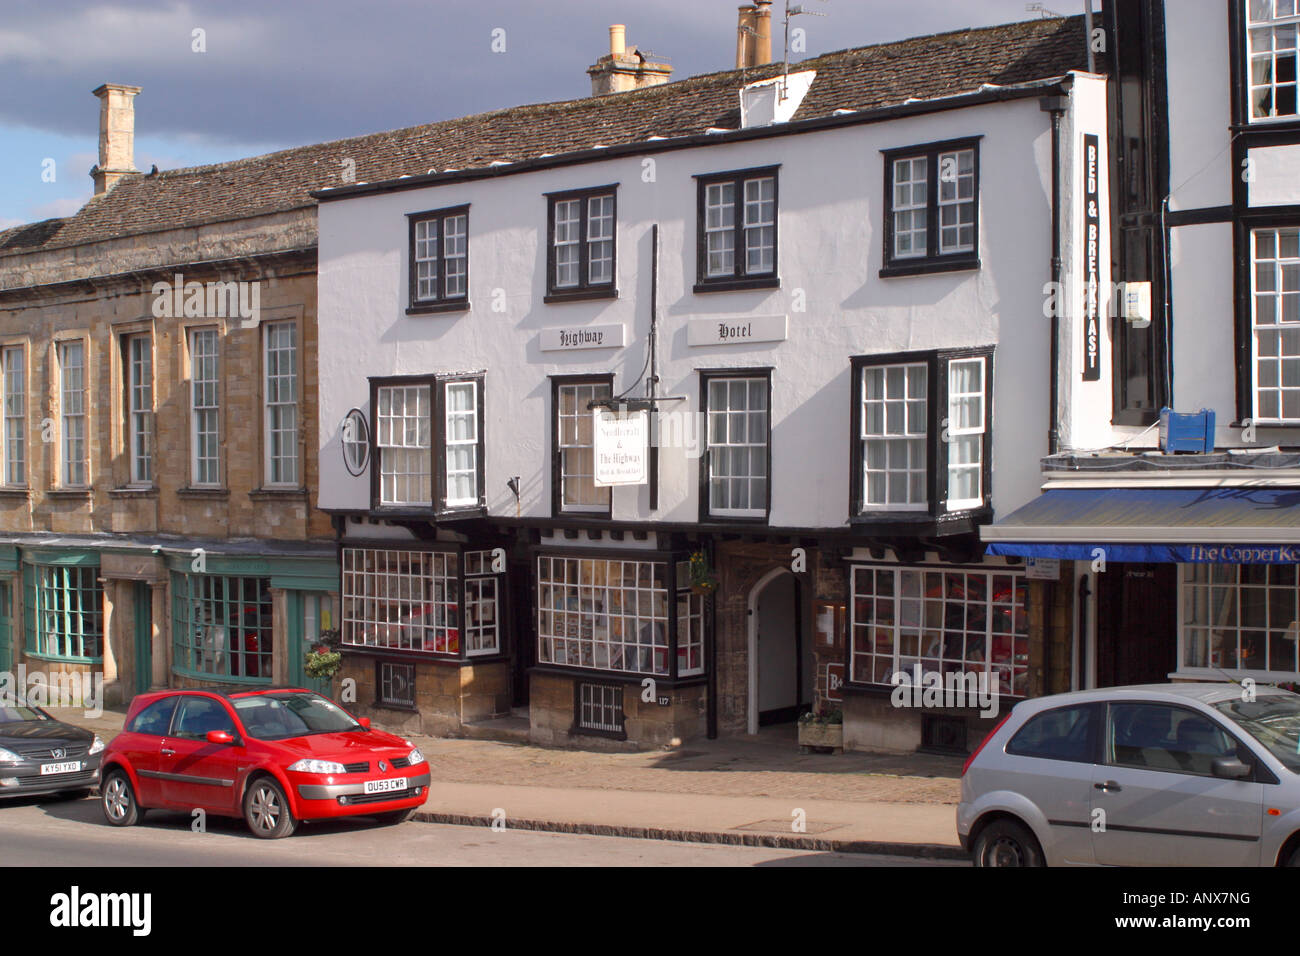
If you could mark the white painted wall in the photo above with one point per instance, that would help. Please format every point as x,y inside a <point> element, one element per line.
<point>830,195</point>
<point>1200,103</point>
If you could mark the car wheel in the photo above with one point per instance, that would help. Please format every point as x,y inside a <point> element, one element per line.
<point>1007,843</point>
<point>394,817</point>
<point>266,810</point>
<point>1294,858</point>
<point>120,808</point>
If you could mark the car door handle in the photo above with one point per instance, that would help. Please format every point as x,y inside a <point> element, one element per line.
<point>1108,786</point>
<point>168,753</point>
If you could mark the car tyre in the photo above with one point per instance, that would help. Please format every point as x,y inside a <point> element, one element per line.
<point>393,817</point>
<point>118,800</point>
<point>1293,859</point>
<point>1007,843</point>
<point>266,810</point>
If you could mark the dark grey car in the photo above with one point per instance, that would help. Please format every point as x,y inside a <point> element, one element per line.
<point>39,754</point>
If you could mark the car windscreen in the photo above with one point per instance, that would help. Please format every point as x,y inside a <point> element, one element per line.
<point>1273,720</point>
<point>280,716</point>
<point>15,713</point>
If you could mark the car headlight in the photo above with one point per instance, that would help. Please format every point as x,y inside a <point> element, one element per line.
<point>415,757</point>
<point>317,766</point>
<point>8,756</point>
<point>97,746</point>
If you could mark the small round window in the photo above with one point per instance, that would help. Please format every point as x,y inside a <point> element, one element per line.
<point>356,442</point>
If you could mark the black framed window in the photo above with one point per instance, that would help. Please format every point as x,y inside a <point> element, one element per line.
<point>581,244</point>
<point>428,443</point>
<point>573,451</point>
<point>737,463</point>
<point>438,260</point>
<point>932,208</point>
<point>736,230</point>
<point>1272,54</point>
<point>922,432</point>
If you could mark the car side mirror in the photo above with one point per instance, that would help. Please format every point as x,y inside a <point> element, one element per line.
<point>220,737</point>
<point>364,722</point>
<point>1229,768</point>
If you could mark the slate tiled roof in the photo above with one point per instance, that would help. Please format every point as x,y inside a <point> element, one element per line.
<point>860,79</point>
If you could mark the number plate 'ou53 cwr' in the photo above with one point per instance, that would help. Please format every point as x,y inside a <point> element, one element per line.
<point>386,786</point>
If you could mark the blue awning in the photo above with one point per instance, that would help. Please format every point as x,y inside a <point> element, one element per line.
<point>1238,525</point>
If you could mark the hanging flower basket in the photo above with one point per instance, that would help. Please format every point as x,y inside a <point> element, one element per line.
<point>323,662</point>
<point>703,580</point>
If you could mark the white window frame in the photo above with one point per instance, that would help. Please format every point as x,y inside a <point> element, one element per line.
<point>600,239</point>
<point>1270,19</point>
<point>205,406</point>
<point>912,183</point>
<point>720,229</point>
<point>281,464</point>
<point>713,415</point>
<point>760,225</point>
<point>1278,269</point>
<point>468,415</point>
<point>482,605</point>
<point>910,621</point>
<point>577,458</point>
<point>866,436</point>
<point>139,406</point>
<point>74,468</point>
<point>405,439</point>
<point>14,370</point>
<point>1211,670</point>
<point>952,182</point>
<point>958,433</point>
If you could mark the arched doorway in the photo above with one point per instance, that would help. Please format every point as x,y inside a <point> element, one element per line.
<point>780,655</point>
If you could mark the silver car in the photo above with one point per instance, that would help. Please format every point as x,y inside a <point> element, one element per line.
<point>1154,775</point>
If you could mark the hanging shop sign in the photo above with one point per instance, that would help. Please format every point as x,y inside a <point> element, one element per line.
<point>622,447</point>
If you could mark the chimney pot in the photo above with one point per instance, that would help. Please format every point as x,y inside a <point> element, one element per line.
<point>116,135</point>
<point>763,27</point>
<point>745,35</point>
<point>617,39</point>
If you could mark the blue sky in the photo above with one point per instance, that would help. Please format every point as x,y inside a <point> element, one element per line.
<point>275,73</point>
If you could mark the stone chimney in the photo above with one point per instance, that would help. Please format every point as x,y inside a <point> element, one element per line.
<point>754,35</point>
<point>116,135</point>
<point>624,68</point>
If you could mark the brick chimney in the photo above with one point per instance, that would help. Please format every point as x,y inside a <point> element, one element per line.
<point>624,68</point>
<point>754,35</point>
<point>116,135</point>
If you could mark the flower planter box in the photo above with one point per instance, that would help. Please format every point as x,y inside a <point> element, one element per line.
<point>821,737</point>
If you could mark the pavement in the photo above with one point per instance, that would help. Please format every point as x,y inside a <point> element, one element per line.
<point>754,791</point>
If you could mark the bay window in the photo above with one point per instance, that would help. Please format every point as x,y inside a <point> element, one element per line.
<point>942,621</point>
<point>221,626</point>
<point>64,611</point>
<point>1240,617</point>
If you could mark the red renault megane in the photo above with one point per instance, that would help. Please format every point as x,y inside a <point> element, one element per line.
<point>274,756</point>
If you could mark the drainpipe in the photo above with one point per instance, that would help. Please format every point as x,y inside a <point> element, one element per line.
<point>1056,105</point>
<point>1087,39</point>
<point>1081,636</point>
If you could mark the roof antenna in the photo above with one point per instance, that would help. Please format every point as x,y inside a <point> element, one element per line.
<point>1045,13</point>
<point>797,10</point>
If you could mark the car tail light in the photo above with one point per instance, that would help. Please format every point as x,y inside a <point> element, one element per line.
<point>976,752</point>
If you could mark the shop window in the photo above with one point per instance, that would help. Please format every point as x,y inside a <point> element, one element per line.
<point>1240,618</point>
<point>1275,314</point>
<point>439,260</point>
<point>402,600</point>
<point>482,605</point>
<point>600,708</point>
<point>932,208</point>
<point>222,626</point>
<point>737,230</point>
<point>396,684</point>
<point>690,624</point>
<point>947,622</point>
<point>64,611</point>
<point>1271,39</point>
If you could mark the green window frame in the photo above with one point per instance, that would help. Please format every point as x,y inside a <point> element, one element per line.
<point>222,627</point>
<point>64,611</point>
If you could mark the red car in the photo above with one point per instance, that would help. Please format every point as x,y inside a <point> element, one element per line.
<point>274,756</point>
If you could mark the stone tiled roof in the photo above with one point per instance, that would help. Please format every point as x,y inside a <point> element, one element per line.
<point>859,79</point>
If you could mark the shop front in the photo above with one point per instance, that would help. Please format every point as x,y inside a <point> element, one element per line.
<point>1187,584</point>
